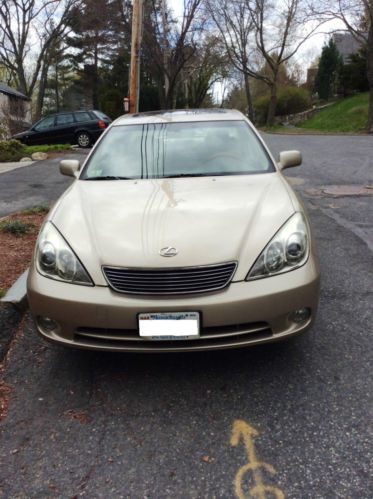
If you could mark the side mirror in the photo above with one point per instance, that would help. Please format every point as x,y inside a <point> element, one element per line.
<point>70,167</point>
<point>288,159</point>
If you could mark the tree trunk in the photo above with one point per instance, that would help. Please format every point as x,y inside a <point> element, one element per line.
<point>41,92</point>
<point>272,105</point>
<point>370,78</point>
<point>250,108</point>
<point>95,80</point>
<point>57,93</point>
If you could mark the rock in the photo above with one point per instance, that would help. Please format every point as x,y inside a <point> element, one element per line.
<point>37,156</point>
<point>24,160</point>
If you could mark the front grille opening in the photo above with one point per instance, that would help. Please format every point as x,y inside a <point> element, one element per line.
<point>147,345</point>
<point>183,280</point>
<point>230,335</point>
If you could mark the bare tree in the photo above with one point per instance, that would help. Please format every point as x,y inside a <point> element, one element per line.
<point>262,33</point>
<point>234,22</point>
<point>207,67</point>
<point>169,44</point>
<point>281,28</point>
<point>28,29</point>
<point>357,16</point>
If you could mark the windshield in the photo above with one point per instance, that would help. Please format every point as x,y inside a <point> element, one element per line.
<point>178,150</point>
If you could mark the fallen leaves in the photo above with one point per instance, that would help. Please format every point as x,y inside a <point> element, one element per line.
<point>80,416</point>
<point>16,251</point>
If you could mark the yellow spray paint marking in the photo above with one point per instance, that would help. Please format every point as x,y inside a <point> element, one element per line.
<point>243,431</point>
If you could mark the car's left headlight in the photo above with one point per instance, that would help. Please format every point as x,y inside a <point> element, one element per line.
<point>56,260</point>
<point>288,250</point>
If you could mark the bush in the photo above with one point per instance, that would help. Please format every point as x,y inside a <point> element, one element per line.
<point>36,210</point>
<point>291,100</point>
<point>11,150</point>
<point>16,227</point>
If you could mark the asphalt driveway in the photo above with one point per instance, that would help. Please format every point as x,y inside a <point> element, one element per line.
<point>37,184</point>
<point>292,419</point>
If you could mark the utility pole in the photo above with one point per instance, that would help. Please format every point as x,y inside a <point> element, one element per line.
<point>137,15</point>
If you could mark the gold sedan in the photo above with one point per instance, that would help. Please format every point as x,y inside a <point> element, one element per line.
<point>179,233</point>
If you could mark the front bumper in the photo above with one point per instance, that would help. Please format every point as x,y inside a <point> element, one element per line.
<point>243,314</point>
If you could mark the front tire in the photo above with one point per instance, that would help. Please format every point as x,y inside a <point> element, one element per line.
<point>83,139</point>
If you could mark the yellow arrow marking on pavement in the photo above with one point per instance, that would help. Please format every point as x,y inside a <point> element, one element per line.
<point>243,431</point>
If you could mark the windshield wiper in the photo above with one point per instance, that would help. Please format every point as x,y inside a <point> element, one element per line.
<point>181,175</point>
<point>108,177</point>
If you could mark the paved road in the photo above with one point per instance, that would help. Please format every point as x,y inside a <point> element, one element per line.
<point>36,184</point>
<point>84,424</point>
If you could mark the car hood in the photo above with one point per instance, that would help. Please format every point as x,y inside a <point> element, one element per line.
<point>208,220</point>
<point>21,135</point>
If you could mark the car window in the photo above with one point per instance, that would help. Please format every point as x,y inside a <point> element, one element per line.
<point>173,149</point>
<point>83,117</point>
<point>101,115</point>
<point>64,119</point>
<point>45,123</point>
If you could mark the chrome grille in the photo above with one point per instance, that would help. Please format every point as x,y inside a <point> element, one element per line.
<point>163,281</point>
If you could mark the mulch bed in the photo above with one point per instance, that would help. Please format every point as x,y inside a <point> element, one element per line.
<point>16,250</point>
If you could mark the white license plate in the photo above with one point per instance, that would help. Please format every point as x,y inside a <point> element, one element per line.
<point>169,326</point>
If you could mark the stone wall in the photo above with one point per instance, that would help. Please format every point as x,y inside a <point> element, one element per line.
<point>296,119</point>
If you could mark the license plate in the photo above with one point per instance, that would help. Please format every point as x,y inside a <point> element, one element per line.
<point>169,326</point>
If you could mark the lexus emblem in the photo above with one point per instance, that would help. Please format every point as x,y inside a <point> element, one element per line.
<point>168,251</point>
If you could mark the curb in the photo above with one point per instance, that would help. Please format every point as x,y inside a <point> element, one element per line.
<point>17,294</point>
<point>12,308</point>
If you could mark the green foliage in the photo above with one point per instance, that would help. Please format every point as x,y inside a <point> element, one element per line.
<point>348,115</point>
<point>291,100</point>
<point>354,73</point>
<point>11,150</point>
<point>47,148</point>
<point>328,78</point>
<point>16,227</point>
<point>2,292</point>
<point>42,208</point>
<point>237,99</point>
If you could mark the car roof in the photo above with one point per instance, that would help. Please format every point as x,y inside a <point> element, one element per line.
<point>180,116</point>
<point>69,112</point>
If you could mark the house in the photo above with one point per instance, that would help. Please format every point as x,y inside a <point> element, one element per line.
<point>15,110</point>
<point>347,45</point>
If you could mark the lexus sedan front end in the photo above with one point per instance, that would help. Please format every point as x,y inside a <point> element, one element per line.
<point>179,233</point>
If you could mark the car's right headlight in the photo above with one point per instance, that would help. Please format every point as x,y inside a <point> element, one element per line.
<point>288,250</point>
<point>56,260</point>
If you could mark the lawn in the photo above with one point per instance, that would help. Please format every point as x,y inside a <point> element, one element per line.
<point>47,148</point>
<point>347,115</point>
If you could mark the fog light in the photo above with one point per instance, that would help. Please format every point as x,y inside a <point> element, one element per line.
<point>300,315</point>
<point>47,324</point>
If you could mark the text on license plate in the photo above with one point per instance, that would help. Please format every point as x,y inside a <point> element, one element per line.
<point>169,326</point>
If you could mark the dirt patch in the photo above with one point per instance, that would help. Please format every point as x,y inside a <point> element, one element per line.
<point>16,250</point>
<point>57,154</point>
<point>4,399</point>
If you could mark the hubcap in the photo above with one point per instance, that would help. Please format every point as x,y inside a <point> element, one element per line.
<point>83,140</point>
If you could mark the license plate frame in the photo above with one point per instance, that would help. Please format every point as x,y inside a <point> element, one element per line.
<point>169,326</point>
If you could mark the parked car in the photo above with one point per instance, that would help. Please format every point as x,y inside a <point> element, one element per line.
<point>78,127</point>
<point>179,233</point>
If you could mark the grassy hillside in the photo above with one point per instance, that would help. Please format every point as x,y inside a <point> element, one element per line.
<point>348,115</point>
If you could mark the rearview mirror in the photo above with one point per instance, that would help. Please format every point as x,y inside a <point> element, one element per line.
<point>70,167</point>
<point>288,159</point>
